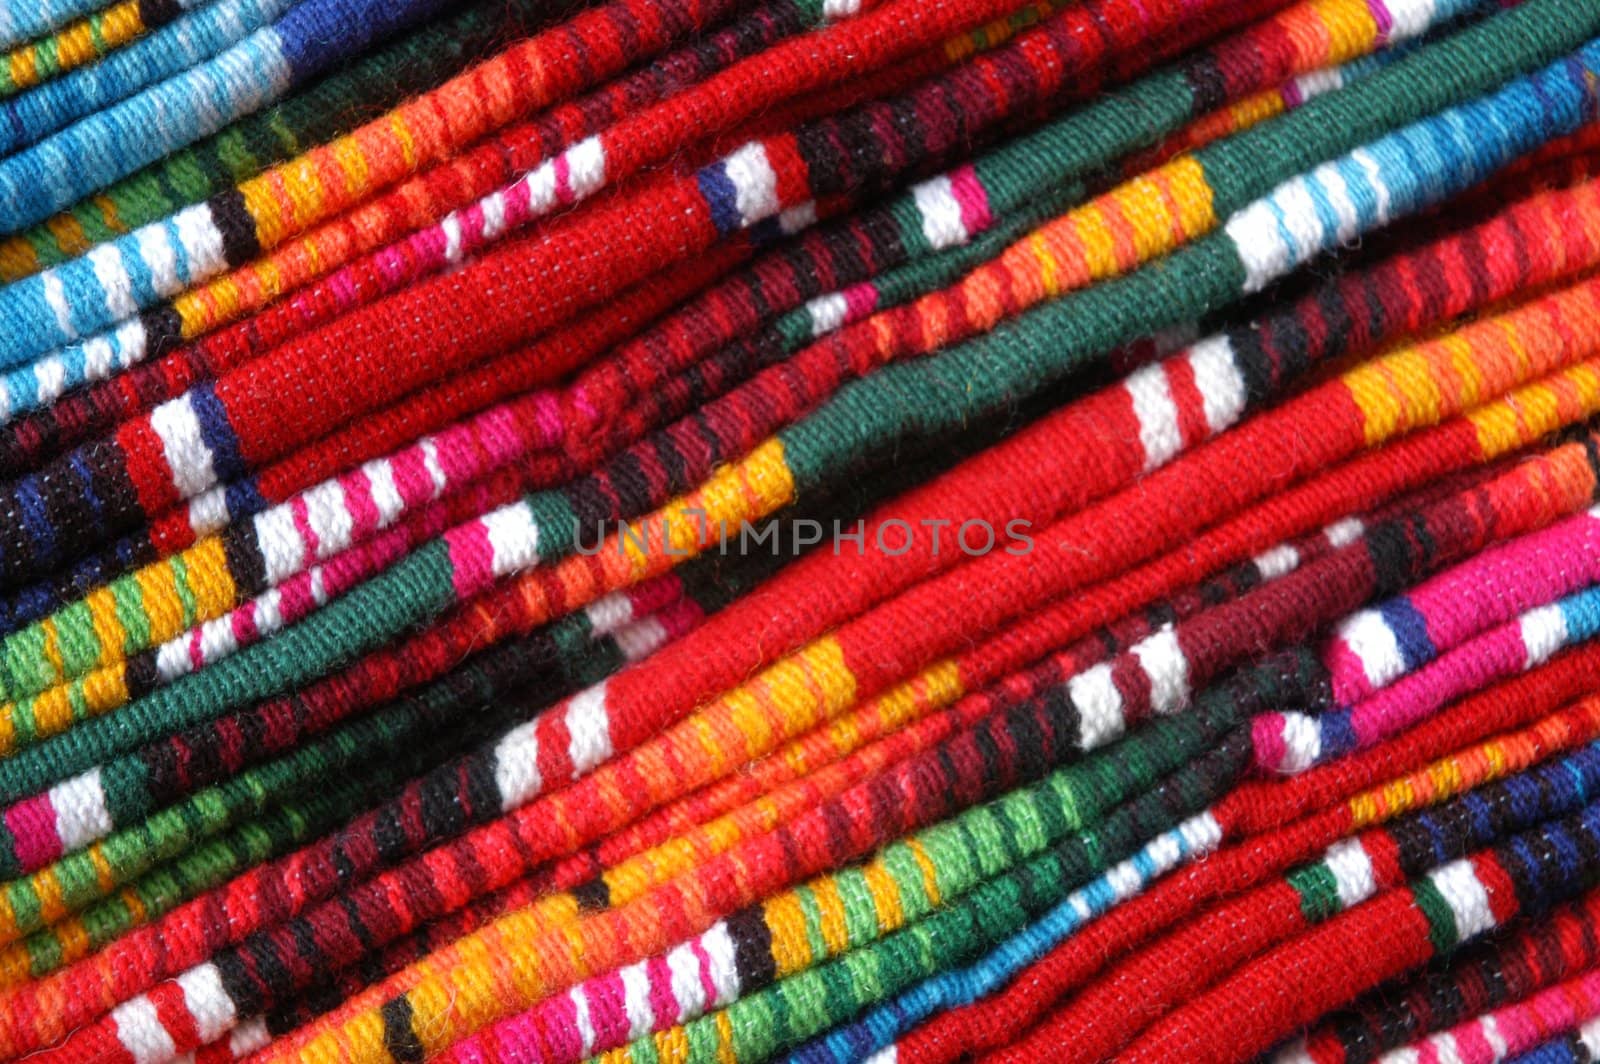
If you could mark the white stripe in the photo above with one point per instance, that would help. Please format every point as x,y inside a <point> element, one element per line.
<point>1293,1053</point>
<point>202,243</point>
<point>1300,216</point>
<point>1302,741</point>
<point>609,612</point>
<point>1458,884</point>
<point>590,728</point>
<point>641,638</point>
<point>50,374</point>
<point>718,945</point>
<point>208,512</point>
<point>755,186</point>
<point>1318,82</point>
<point>1253,229</point>
<point>1363,158</point>
<point>81,814</point>
<point>580,1019</point>
<point>268,611</point>
<point>140,1032</point>
<point>172,659</point>
<point>1544,631</point>
<point>452,237</point>
<point>538,187</point>
<point>1353,877</point>
<point>688,990</point>
<point>1408,18</point>
<point>1589,1035</point>
<point>494,214</point>
<point>794,219</point>
<point>1278,561</point>
<point>513,538</point>
<point>1344,532</point>
<point>1217,376</point>
<point>1156,413</point>
<point>516,766</point>
<point>586,166</point>
<point>208,1002</point>
<point>827,312</point>
<point>1373,643</point>
<point>1492,1035</point>
<point>278,541</point>
<point>1099,705</point>
<point>123,347</point>
<point>385,493</point>
<point>1445,1050</point>
<point>114,280</point>
<point>430,462</point>
<point>941,213</point>
<point>55,296</point>
<point>1202,832</point>
<point>1163,662</point>
<point>329,517</point>
<point>248,1037</point>
<point>1337,194</point>
<point>636,999</point>
<point>186,452</point>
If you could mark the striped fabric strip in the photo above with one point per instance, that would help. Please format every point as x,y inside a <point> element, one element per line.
<point>188,41</point>
<point>24,19</point>
<point>194,103</point>
<point>195,433</point>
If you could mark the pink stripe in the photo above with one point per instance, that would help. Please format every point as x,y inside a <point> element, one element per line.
<point>1347,672</point>
<point>698,945</point>
<point>294,596</point>
<point>1495,586</point>
<point>359,502</point>
<point>411,477</point>
<point>470,221</point>
<point>652,595</point>
<point>32,823</point>
<point>547,418</point>
<point>1416,696</point>
<point>457,454</point>
<point>552,1028</point>
<point>969,193</point>
<point>1472,1046</point>
<point>1266,734</point>
<point>245,629</point>
<point>664,1005</point>
<point>471,558</point>
<point>563,171</point>
<point>302,525</point>
<point>608,1013</point>
<point>678,617</point>
<point>860,300</point>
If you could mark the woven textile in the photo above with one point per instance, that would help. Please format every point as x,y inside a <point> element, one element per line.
<point>808,530</point>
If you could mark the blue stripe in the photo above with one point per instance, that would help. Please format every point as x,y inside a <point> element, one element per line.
<point>218,434</point>
<point>720,196</point>
<point>1410,631</point>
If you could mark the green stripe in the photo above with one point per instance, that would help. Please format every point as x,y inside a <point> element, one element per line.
<point>1442,931</point>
